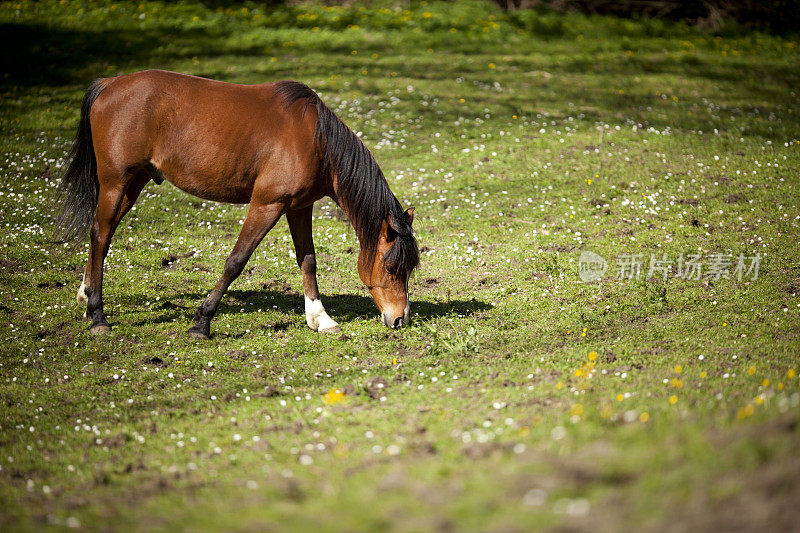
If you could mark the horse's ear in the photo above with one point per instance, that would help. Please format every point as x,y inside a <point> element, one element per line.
<point>391,233</point>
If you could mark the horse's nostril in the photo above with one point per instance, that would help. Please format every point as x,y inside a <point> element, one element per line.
<point>398,322</point>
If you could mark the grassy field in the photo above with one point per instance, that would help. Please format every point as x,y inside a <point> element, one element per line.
<point>520,397</point>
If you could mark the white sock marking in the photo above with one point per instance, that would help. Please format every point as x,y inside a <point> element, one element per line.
<point>316,317</point>
<point>81,298</point>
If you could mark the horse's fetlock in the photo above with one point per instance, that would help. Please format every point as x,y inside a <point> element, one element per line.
<point>93,307</point>
<point>201,329</point>
<point>98,319</point>
<point>205,311</point>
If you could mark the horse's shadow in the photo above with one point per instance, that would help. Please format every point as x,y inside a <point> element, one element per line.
<point>342,307</point>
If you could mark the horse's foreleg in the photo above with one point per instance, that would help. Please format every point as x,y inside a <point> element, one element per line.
<point>260,219</point>
<point>300,227</point>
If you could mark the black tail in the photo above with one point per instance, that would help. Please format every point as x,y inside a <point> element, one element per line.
<point>77,193</point>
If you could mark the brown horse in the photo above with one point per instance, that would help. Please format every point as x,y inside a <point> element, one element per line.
<point>276,146</point>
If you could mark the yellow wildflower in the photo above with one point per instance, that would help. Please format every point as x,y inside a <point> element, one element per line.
<point>333,396</point>
<point>592,356</point>
<point>341,450</point>
<point>744,412</point>
<point>673,399</point>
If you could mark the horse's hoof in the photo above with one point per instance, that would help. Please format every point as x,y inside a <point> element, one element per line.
<point>100,329</point>
<point>195,334</point>
<point>334,329</point>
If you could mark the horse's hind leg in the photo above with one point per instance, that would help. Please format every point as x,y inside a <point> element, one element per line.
<point>113,203</point>
<point>260,219</point>
<point>300,227</point>
<point>132,192</point>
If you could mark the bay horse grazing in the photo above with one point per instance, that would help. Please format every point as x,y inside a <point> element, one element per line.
<point>276,146</point>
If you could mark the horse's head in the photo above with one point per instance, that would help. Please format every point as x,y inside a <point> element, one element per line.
<point>386,272</point>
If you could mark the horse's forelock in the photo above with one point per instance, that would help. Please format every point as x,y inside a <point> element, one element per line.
<point>402,257</point>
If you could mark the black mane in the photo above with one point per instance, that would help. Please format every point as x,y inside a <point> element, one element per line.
<point>361,186</point>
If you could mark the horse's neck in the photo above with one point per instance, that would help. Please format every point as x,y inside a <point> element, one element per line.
<point>337,197</point>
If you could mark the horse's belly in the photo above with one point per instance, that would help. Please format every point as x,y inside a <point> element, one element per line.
<point>236,190</point>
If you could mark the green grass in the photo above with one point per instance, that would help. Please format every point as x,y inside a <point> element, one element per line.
<point>522,140</point>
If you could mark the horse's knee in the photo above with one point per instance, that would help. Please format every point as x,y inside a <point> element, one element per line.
<point>308,264</point>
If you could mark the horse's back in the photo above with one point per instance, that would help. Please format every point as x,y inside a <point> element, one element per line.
<point>211,138</point>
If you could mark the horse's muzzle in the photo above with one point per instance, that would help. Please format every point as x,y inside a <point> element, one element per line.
<point>395,322</point>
